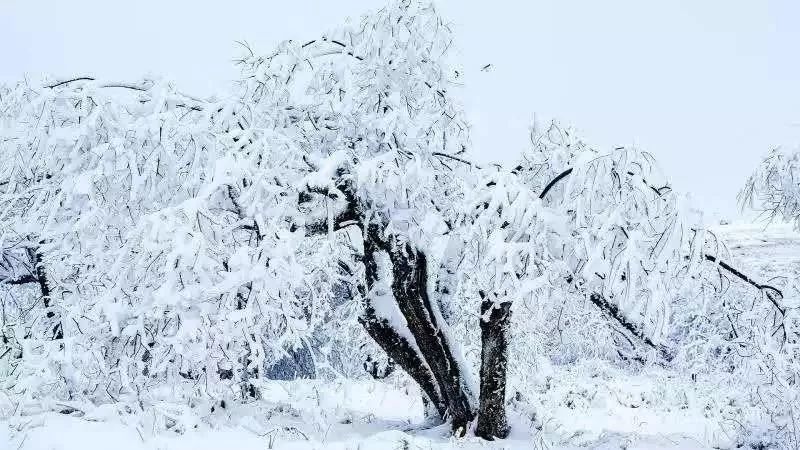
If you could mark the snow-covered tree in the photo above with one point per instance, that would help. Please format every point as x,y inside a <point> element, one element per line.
<point>172,245</point>
<point>157,237</point>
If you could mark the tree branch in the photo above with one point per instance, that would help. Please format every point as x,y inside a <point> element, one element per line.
<point>350,215</point>
<point>456,158</point>
<point>335,42</point>
<point>611,310</point>
<point>319,227</point>
<point>762,287</point>
<point>60,83</point>
<point>553,182</point>
<point>124,86</point>
<point>24,279</point>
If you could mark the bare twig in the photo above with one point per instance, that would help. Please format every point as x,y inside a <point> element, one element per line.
<point>60,83</point>
<point>124,86</point>
<point>456,158</point>
<point>555,180</point>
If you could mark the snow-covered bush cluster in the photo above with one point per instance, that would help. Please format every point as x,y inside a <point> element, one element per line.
<point>161,246</point>
<point>774,187</point>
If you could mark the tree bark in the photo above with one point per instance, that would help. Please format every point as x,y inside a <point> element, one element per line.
<point>410,289</point>
<point>492,421</point>
<point>405,356</point>
<point>395,345</point>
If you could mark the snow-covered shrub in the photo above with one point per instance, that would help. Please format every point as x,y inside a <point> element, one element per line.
<point>774,186</point>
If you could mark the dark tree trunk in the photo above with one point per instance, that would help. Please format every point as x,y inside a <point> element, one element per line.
<point>395,345</point>
<point>405,356</point>
<point>41,278</point>
<point>431,362</point>
<point>495,318</point>
<point>410,289</point>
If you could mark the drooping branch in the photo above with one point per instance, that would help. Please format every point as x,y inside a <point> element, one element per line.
<point>762,287</point>
<point>329,52</point>
<point>106,85</point>
<point>613,312</point>
<point>19,266</point>
<point>767,289</point>
<point>248,389</point>
<point>456,158</point>
<point>24,279</point>
<point>61,83</point>
<point>608,308</point>
<point>239,210</point>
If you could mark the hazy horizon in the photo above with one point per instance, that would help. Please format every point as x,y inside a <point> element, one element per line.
<point>707,88</point>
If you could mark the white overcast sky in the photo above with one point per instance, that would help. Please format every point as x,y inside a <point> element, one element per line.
<point>708,86</point>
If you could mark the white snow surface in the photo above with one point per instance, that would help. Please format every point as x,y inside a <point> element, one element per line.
<point>600,412</point>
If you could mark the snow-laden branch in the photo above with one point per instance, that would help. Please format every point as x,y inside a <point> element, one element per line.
<point>772,293</point>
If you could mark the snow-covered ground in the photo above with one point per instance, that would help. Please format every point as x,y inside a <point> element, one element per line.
<point>599,411</point>
<point>763,249</point>
<point>584,405</point>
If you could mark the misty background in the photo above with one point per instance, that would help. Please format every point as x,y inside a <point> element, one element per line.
<point>707,87</point>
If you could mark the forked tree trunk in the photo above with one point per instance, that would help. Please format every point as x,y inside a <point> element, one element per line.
<point>410,288</point>
<point>495,318</point>
<point>426,355</point>
<point>430,362</point>
<point>395,345</point>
